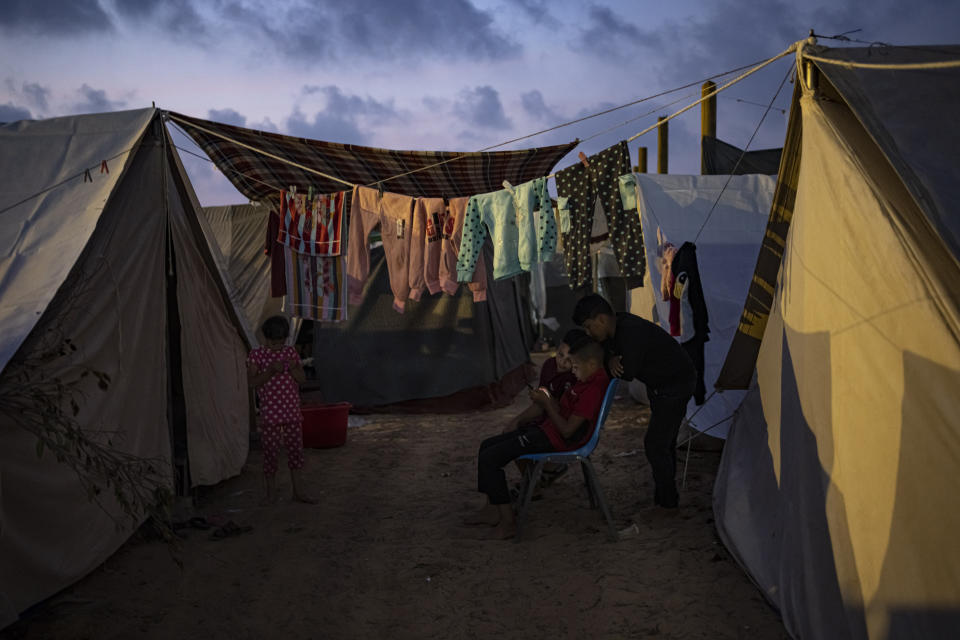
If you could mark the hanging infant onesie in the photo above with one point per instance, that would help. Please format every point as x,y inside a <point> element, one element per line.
<point>578,188</point>
<point>508,216</point>
<point>425,246</point>
<point>452,234</point>
<point>394,213</point>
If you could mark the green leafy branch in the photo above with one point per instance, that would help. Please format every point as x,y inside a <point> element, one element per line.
<point>49,406</point>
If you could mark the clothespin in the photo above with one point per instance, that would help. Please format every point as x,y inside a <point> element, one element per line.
<point>583,159</point>
<point>310,193</point>
<point>380,190</point>
<point>508,186</point>
<point>103,167</point>
<point>87,176</point>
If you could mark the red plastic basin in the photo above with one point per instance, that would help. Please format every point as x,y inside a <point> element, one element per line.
<point>325,425</point>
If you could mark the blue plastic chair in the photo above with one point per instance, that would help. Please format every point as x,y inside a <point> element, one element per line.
<point>533,471</point>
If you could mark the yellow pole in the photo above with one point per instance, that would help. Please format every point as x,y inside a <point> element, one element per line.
<point>662,143</point>
<point>708,118</point>
<point>641,160</point>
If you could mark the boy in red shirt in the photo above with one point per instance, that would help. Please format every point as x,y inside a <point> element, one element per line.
<point>548,425</point>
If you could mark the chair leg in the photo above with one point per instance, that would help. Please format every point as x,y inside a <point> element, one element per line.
<point>530,479</point>
<point>589,470</point>
<point>587,484</point>
<point>686,463</point>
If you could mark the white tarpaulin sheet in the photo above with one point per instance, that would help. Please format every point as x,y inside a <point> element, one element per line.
<point>727,248</point>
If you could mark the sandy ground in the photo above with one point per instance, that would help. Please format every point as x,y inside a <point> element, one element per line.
<point>384,553</point>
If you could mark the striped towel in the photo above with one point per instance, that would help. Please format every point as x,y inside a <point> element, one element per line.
<point>312,226</point>
<point>316,286</point>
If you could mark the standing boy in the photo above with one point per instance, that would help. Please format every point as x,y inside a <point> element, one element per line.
<point>638,348</point>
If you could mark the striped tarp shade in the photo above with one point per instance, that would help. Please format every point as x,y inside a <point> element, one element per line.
<point>259,177</point>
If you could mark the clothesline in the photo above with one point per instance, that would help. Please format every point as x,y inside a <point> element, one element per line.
<point>644,115</point>
<point>277,190</point>
<point>576,121</point>
<point>787,52</point>
<point>458,157</point>
<point>234,171</point>
<point>169,115</point>
<point>739,78</point>
<point>743,153</point>
<point>84,172</point>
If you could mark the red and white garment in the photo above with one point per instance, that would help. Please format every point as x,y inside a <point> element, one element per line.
<point>666,251</point>
<point>314,267</point>
<point>312,226</point>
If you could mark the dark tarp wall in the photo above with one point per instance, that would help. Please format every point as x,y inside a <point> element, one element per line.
<point>440,345</point>
<point>721,158</point>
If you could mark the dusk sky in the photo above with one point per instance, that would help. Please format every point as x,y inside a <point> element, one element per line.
<point>421,74</point>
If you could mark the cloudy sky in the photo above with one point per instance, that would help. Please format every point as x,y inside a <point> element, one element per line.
<point>429,74</point>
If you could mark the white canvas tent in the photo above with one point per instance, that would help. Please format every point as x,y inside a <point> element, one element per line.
<point>682,207</point>
<point>839,490</point>
<point>239,231</point>
<point>120,266</point>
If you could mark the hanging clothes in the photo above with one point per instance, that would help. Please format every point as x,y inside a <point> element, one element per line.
<point>426,246</point>
<point>393,212</point>
<point>312,226</point>
<point>452,233</point>
<point>582,186</point>
<point>309,233</point>
<point>317,286</point>
<point>694,320</point>
<point>494,213</point>
<point>530,199</point>
<point>509,217</point>
<point>273,249</point>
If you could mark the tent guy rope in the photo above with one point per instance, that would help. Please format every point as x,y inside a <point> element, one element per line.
<point>169,115</point>
<point>907,66</point>
<point>785,53</point>
<point>743,153</point>
<point>578,120</point>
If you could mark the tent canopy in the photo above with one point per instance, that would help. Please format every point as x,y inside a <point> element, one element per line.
<point>121,266</point>
<point>838,488</point>
<point>38,249</point>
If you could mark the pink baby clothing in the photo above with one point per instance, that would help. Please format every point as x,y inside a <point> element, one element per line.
<point>428,217</point>
<point>452,234</point>
<point>393,212</point>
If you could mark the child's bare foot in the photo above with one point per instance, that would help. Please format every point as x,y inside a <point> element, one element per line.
<point>504,531</point>
<point>300,497</point>
<point>268,499</point>
<point>489,516</point>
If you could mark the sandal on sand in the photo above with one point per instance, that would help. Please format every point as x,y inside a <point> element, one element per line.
<point>230,529</point>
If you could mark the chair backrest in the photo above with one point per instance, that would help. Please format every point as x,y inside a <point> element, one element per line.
<point>591,444</point>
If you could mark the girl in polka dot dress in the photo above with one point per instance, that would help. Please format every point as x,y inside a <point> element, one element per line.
<point>276,372</point>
